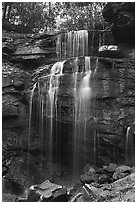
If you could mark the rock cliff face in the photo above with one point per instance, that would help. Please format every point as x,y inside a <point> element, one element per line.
<point>14,107</point>
<point>37,49</point>
<point>109,121</point>
<point>111,109</point>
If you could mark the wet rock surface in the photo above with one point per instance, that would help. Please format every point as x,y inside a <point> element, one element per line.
<point>111,109</point>
<point>121,190</point>
<point>110,119</point>
<point>34,50</point>
<point>14,106</point>
<point>47,192</point>
<point>21,170</point>
<point>30,50</point>
<point>118,189</point>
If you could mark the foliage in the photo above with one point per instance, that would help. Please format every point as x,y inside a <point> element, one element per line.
<point>26,14</point>
<point>82,15</point>
<point>45,16</point>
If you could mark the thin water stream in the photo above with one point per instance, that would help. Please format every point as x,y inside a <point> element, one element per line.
<point>84,90</point>
<point>72,44</point>
<point>75,44</point>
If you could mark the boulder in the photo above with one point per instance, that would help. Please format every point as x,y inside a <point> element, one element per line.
<point>89,169</point>
<point>104,178</point>
<point>12,187</point>
<point>124,169</point>
<point>7,197</point>
<point>111,168</point>
<point>92,190</point>
<point>18,174</point>
<point>122,17</point>
<point>118,175</point>
<point>89,193</point>
<point>122,190</point>
<point>86,178</point>
<point>121,172</point>
<point>125,188</point>
<point>47,192</point>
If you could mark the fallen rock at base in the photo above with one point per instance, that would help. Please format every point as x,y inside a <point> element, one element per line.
<point>85,178</point>
<point>89,169</point>
<point>124,189</point>
<point>10,190</point>
<point>106,188</point>
<point>87,196</point>
<point>7,197</point>
<point>92,190</point>
<point>121,172</point>
<point>59,196</point>
<point>118,175</point>
<point>47,192</point>
<point>111,168</point>
<point>104,178</point>
<point>124,169</point>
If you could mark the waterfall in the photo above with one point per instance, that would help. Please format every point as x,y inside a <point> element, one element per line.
<point>30,112</point>
<point>30,118</point>
<point>47,97</point>
<point>72,44</point>
<point>51,109</point>
<point>56,72</point>
<point>82,97</point>
<point>128,141</point>
<point>85,86</point>
<point>85,90</point>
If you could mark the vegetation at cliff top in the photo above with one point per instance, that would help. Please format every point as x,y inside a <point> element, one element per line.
<point>29,17</point>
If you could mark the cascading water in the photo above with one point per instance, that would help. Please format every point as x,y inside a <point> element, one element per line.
<point>72,44</point>
<point>95,132</point>
<point>128,142</point>
<point>30,111</point>
<point>46,105</point>
<point>56,72</point>
<point>30,118</point>
<point>82,103</point>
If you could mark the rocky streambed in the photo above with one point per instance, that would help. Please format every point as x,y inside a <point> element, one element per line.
<point>109,183</point>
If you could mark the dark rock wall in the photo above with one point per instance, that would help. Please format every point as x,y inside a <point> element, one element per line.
<point>112,90</point>
<point>111,109</point>
<point>14,106</point>
<point>109,114</point>
<point>122,17</point>
<point>110,123</point>
<point>34,50</point>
